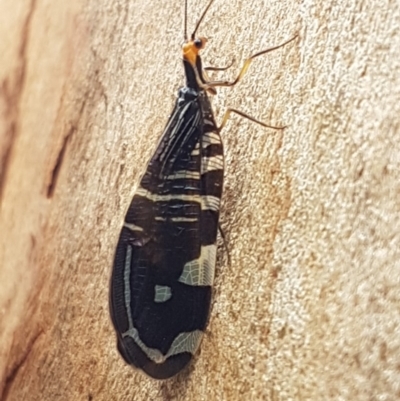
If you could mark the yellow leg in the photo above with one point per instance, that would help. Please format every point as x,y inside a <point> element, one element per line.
<point>245,67</point>
<point>219,68</point>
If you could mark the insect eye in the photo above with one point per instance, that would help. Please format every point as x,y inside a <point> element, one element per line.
<point>198,43</point>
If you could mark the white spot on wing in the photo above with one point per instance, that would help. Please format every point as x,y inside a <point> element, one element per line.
<point>200,271</point>
<point>162,293</point>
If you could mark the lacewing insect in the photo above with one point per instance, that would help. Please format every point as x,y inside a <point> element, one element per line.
<point>164,262</point>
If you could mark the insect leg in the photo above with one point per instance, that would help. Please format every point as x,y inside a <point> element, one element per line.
<point>240,113</point>
<point>219,68</point>
<point>225,242</point>
<point>245,67</point>
<point>210,89</point>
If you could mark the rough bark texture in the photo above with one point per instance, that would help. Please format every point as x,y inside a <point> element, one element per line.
<point>308,309</point>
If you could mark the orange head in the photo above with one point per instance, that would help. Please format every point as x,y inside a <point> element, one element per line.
<point>190,49</point>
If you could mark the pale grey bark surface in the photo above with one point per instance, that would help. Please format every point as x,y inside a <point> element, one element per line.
<point>309,308</point>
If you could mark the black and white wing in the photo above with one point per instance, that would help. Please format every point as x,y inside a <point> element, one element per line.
<point>165,257</point>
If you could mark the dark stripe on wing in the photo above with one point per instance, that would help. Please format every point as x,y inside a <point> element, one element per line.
<point>212,150</point>
<point>180,186</point>
<point>143,211</point>
<point>212,183</point>
<point>179,138</point>
<point>160,323</point>
<point>209,227</point>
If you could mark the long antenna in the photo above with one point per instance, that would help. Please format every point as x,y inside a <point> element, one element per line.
<point>201,19</point>
<point>185,22</point>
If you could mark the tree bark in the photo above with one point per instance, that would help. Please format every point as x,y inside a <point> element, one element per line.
<point>308,308</point>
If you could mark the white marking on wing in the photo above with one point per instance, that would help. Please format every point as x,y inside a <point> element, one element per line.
<point>209,202</point>
<point>162,293</point>
<point>212,163</point>
<point>211,138</point>
<point>177,219</point>
<point>184,342</point>
<point>127,287</point>
<point>164,198</point>
<point>132,227</point>
<point>200,271</point>
<point>184,219</point>
<point>184,174</point>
